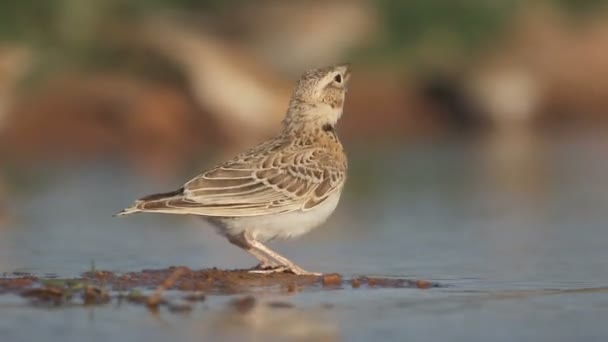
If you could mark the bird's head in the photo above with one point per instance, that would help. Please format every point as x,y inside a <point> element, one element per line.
<point>319,96</point>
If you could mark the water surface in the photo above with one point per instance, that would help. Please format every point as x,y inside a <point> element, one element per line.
<point>503,223</point>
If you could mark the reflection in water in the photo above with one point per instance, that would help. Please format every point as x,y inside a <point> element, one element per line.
<point>514,178</point>
<point>4,215</point>
<point>5,220</point>
<point>514,162</point>
<point>267,319</point>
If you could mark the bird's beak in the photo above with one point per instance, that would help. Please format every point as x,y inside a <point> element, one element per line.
<point>346,72</point>
<point>346,75</point>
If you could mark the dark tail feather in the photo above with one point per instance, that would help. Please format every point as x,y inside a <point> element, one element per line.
<point>155,202</point>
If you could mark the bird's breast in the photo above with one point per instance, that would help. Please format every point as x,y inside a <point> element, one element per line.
<point>280,226</point>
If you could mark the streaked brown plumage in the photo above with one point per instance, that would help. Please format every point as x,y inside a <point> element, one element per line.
<point>295,178</point>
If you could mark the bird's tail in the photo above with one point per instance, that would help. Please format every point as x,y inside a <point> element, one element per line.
<point>161,203</point>
<point>130,210</point>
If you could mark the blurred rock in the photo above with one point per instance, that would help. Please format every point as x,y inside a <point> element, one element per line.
<point>444,96</point>
<point>247,99</point>
<point>310,34</point>
<point>548,68</point>
<point>236,71</point>
<point>383,106</point>
<point>509,97</point>
<point>97,115</point>
<point>14,62</point>
<point>157,125</point>
<point>237,62</point>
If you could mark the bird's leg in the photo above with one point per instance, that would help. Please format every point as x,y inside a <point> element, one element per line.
<point>283,261</point>
<point>265,262</point>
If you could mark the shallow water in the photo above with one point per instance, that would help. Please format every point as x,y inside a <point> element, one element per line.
<point>502,222</point>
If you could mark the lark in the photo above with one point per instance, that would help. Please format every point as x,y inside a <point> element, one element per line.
<point>280,189</point>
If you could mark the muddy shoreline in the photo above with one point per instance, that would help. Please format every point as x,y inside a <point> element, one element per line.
<point>148,286</point>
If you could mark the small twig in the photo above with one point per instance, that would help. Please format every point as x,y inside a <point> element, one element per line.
<point>154,299</point>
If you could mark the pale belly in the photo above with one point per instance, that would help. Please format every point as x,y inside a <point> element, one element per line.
<point>281,226</point>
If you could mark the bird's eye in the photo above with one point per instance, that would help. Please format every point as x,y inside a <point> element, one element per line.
<point>338,78</point>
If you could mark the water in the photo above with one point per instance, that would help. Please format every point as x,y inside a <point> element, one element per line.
<point>505,223</point>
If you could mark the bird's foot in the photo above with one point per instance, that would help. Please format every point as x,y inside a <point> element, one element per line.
<point>263,266</point>
<point>297,270</point>
<point>269,269</point>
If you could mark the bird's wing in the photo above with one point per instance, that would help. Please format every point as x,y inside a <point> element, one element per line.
<point>256,185</point>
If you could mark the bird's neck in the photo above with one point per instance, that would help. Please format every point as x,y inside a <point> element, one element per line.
<point>302,116</point>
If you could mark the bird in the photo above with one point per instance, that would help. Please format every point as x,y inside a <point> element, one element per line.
<point>280,189</point>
